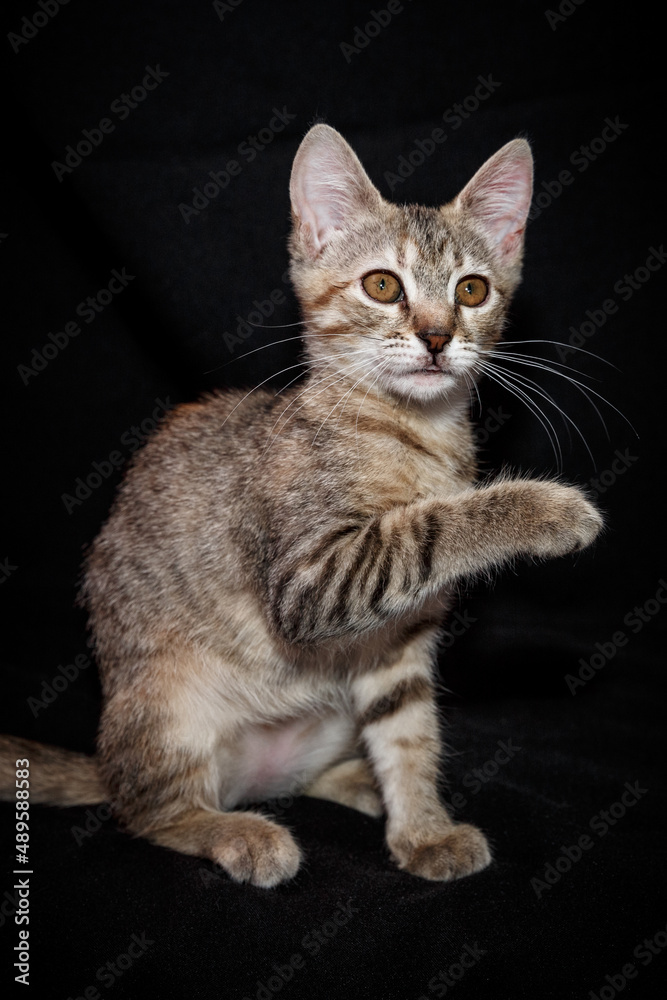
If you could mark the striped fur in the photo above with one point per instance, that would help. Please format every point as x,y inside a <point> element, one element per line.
<point>266,596</point>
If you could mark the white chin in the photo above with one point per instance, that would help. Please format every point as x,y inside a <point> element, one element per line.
<point>423,385</point>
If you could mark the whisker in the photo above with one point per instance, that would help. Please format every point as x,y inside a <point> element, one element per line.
<point>516,355</point>
<point>288,384</point>
<point>578,385</point>
<point>308,387</point>
<point>274,326</point>
<point>273,343</point>
<point>584,389</point>
<point>472,384</point>
<point>368,326</point>
<point>299,364</point>
<point>526,382</point>
<point>383,365</point>
<point>308,363</point>
<point>560,343</point>
<point>345,397</point>
<point>529,383</point>
<point>337,404</point>
<point>532,406</point>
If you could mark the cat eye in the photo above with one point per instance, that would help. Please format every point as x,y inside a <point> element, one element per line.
<point>471,291</point>
<point>383,287</point>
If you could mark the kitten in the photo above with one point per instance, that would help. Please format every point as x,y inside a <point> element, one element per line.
<point>267,594</point>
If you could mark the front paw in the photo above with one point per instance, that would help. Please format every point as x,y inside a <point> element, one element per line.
<point>550,519</point>
<point>569,522</point>
<point>457,851</point>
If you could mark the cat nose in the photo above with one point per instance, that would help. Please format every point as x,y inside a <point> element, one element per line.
<point>436,340</point>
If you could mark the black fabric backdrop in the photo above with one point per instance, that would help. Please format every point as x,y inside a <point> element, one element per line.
<point>387,76</point>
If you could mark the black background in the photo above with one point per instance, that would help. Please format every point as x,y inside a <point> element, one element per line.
<point>161,339</point>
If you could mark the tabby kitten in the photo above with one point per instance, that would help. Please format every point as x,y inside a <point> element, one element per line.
<point>267,594</point>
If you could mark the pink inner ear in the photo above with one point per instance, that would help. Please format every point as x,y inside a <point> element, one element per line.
<point>499,196</point>
<point>322,199</point>
<point>329,186</point>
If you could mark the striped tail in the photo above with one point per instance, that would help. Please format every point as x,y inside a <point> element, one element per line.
<point>57,777</point>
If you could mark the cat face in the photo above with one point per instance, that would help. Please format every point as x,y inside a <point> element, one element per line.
<point>404,299</point>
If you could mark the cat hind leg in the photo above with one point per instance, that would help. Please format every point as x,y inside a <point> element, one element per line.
<point>350,783</point>
<point>169,762</point>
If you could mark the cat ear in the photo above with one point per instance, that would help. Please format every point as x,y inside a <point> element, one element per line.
<point>499,196</point>
<point>328,187</point>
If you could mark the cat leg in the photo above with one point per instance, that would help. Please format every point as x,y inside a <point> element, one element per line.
<point>356,579</point>
<point>168,767</point>
<point>351,783</point>
<point>398,722</point>
<point>250,847</point>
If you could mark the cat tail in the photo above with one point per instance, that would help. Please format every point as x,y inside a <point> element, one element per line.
<point>57,777</point>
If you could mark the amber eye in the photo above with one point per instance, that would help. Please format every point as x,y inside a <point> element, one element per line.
<point>383,287</point>
<point>471,291</point>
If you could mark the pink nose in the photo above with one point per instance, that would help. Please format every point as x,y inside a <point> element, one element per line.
<point>435,340</point>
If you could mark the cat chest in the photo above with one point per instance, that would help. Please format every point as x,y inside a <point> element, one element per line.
<point>401,475</point>
<point>402,462</point>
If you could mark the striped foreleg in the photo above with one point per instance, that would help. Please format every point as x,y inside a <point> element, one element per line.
<point>355,577</point>
<point>398,721</point>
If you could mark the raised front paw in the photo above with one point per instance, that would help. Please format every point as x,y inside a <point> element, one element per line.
<point>457,851</point>
<point>567,521</point>
<point>544,518</point>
